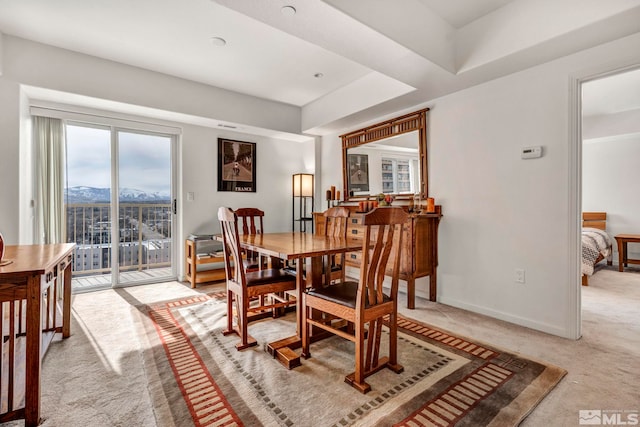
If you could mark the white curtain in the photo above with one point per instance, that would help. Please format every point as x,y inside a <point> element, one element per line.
<point>49,146</point>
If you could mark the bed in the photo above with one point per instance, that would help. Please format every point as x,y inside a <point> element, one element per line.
<point>596,243</point>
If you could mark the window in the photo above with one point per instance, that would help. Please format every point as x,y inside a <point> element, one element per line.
<point>397,175</point>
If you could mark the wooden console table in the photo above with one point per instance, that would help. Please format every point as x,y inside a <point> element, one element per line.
<point>623,259</point>
<point>31,280</point>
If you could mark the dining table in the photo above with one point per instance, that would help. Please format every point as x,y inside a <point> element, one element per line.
<point>38,278</point>
<point>305,249</point>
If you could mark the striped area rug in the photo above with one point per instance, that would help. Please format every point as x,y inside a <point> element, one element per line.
<point>197,377</point>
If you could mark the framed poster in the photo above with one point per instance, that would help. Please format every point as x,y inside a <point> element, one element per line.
<point>358,172</point>
<point>236,165</point>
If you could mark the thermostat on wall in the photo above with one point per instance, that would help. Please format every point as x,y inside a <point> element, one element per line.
<point>532,152</point>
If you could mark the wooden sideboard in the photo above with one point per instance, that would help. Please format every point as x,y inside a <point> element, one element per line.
<point>419,248</point>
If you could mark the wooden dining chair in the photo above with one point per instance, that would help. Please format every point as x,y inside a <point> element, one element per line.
<point>364,303</point>
<point>335,225</point>
<point>252,224</point>
<point>245,290</point>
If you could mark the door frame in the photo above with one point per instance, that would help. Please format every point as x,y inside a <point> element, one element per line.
<point>575,180</point>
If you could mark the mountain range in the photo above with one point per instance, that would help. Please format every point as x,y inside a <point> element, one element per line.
<point>83,194</point>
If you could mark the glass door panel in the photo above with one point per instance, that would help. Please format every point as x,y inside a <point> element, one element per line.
<point>88,204</point>
<point>145,211</point>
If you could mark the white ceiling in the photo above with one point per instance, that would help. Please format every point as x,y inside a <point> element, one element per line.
<point>612,94</point>
<point>401,52</point>
<point>459,13</point>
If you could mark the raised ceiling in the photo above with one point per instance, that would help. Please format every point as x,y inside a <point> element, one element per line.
<point>612,94</point>
<point>400,53</point>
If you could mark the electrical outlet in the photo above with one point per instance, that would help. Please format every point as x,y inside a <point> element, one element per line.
<point>191,196</point>
<point>519,275</point>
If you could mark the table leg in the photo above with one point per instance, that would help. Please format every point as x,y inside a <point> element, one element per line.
<point>625,256</point>
<point>32,358</point>
<point>433,286</point>
<point>66,304</point>
<point>282,349</point>
<point>411,293</point>
<point>620,256</point>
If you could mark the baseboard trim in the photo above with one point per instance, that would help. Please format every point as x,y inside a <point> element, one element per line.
<point>517,320</point>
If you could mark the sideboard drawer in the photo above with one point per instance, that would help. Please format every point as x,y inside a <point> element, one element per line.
<point>354,259</point>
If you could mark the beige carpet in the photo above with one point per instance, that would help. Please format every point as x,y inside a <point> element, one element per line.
<point>448,380</point>
<point>96,377</point>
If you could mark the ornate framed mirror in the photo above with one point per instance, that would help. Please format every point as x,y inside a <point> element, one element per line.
<point>388,157</point>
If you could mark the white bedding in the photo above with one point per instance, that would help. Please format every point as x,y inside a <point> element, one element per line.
<point>595,242</point>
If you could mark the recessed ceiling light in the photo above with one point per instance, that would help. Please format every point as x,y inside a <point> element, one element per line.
<point>318,75</point>
<point>218,41</point>
<point>288,10</point>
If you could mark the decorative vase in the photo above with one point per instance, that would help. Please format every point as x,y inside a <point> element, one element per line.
<point>1,247</point>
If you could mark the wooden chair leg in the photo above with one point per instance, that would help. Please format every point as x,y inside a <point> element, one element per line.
<point>246,340</point>
<point>356,379</point>
<point>393,344</point>
<point>230,302</point>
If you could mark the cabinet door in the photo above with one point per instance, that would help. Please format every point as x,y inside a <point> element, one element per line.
<point>426,246</point>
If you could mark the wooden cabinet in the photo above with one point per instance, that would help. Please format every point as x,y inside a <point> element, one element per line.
<point>419,256</point>
<point>192,261</point>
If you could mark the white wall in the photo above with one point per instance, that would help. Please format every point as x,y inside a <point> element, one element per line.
<point>502,212</point>
<point>33,64</point>
<point>276,161</point>
<point>610,177</point>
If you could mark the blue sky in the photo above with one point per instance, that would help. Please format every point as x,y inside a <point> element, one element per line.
<point>144,160</point>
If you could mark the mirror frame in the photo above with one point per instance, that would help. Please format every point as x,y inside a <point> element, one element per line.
<point>386,129</point>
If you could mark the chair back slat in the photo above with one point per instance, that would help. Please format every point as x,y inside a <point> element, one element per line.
<point>336,221</point>
<point>231,245</point>
<point>251,219</point>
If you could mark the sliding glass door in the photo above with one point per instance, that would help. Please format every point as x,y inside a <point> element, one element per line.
<point>145,208</point>
<point>123,237</point>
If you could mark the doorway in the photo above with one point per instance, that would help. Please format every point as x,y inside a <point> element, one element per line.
<point>123,237</point>
<point>608,146</point>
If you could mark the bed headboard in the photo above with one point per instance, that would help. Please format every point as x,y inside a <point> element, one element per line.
<point>594,220</point>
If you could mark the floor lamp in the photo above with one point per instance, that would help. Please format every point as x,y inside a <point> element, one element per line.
<point>302,191</point>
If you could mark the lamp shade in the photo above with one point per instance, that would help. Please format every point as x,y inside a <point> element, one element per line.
<point>303,185</point>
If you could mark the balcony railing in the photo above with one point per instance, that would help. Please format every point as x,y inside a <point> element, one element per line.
<point>143,236</point>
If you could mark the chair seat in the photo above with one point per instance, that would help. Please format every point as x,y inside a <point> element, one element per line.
<point>271,275</point>
<point>342,293</point>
